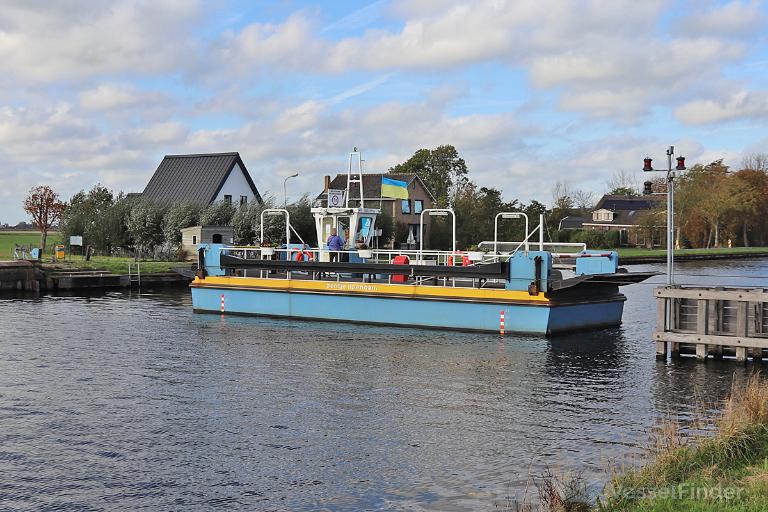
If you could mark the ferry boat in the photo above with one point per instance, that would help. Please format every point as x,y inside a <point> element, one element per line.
<point>527,288</point>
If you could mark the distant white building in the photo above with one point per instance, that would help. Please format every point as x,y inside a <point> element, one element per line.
<point>202,178</point>
<point>193,236</point>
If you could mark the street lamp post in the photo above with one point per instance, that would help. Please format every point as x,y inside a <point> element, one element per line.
<point>285,193</point>
<point>647,167</point>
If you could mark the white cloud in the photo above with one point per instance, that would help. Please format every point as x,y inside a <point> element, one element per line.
<point>81,39</point>
<point>736,19</point>
<point>739,105</point>
<point>113,96</point>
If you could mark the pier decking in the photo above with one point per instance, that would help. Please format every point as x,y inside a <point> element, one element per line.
<point>711,322</point>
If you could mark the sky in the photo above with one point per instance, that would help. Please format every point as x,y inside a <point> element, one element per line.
<point>529,92</point>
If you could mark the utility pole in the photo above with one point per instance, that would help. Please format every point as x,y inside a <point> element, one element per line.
<point>647,167</point>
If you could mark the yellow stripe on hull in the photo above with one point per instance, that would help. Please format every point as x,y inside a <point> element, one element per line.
<point>349,288</point>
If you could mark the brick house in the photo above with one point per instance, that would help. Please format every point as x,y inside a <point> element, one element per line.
<point>406,212</point>
<point>639,220</point>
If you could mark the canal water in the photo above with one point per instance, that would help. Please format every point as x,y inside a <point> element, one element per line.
<point>127,401</point>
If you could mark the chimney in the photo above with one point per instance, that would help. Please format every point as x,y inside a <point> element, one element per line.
<point>326,182</point>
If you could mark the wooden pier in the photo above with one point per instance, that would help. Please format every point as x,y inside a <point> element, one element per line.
<point>711,322</point>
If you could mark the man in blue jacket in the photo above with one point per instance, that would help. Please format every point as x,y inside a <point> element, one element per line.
<point>335,244</point>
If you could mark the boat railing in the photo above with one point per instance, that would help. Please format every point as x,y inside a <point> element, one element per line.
<point>416,257</point>
<point>493,257</point>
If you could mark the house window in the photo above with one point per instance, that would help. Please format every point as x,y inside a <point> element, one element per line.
<point>228,199</point>
<point>418,206</point>
<point>243,200</point>
<point>194,239</point>
<point>406,205</point>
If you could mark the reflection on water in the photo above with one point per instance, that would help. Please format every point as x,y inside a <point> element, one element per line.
<point>128,401</point>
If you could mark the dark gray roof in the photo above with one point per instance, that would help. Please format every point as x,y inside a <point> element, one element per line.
<point>572,222</point>
<point>622,218</point>
<point>629,203</point>
<point>372,184</point>
<point>196,178</point>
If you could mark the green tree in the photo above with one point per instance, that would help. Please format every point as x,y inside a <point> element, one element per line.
<point>443,171</point>
<point>386,224</point>
<point>145,225</point>
<point>623,191</point>
<point>715,196</point>
<point>84,216</point>
<point>219,213</point>
<point>750,202</point>
<point>302,220</point>
<point>115,222</point>
<point>179,216</point>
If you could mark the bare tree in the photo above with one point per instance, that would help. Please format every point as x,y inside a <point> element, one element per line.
<point>583,199</point>
<point>43,205</point>
<point>562,198</point>
<point>755,162</point>
<point>622,182</point>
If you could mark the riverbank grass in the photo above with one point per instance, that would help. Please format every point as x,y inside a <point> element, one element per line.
<point>638,252</point>
<point>28,238</point>
<point>115,265</point>
<point>725,472</point>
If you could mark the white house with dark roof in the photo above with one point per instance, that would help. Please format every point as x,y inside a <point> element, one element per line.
<point>202,178</point>
<point>627,215</point>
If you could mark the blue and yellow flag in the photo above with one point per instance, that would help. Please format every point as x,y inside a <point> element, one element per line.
<point>393,188</point>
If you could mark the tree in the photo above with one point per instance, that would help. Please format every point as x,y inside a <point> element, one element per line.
<point>750,200</point>
<point>115,222</point>
<point>43,205</point>
<point>584,200</point>
<point>622,183</point>
<point>302,220</point>
<point>219,213</point>
<point>714,196</point>
<point>562,202</point>
<point>443,171</point>
<point>84,215</point>
<point>386,224</point>
<point>145,225</point>
<point>755,162</point>
<point>179,216</point>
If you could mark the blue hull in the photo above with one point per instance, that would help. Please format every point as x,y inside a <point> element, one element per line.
<point>409,312</point>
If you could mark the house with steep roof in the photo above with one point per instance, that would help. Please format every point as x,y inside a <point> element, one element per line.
<point>202,178</point>
<point>405,212</point>
<point>638,219</point>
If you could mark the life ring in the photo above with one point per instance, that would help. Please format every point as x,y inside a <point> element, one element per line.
<point>303,255</point>
<point>464,259</point>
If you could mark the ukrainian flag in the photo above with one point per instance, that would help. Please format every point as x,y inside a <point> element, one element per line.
<point>393,188</point>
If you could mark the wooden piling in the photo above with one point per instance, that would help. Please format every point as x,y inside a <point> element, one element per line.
<point>725,318</point>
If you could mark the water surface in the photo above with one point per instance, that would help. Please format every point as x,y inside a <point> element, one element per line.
<point>127,401</point>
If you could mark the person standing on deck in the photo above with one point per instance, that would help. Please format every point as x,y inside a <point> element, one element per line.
<point>335,244</point>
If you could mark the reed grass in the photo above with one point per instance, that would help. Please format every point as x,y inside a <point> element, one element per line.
<point>724,468</point>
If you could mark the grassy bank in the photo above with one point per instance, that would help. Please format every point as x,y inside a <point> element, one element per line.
<point>115,264</point>
<point>725,471</point>
<point>634,252</point>
<point>28,238</point>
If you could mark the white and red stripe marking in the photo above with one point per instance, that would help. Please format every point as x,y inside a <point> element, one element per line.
<point>222,303</point>
<point>501,322</point>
